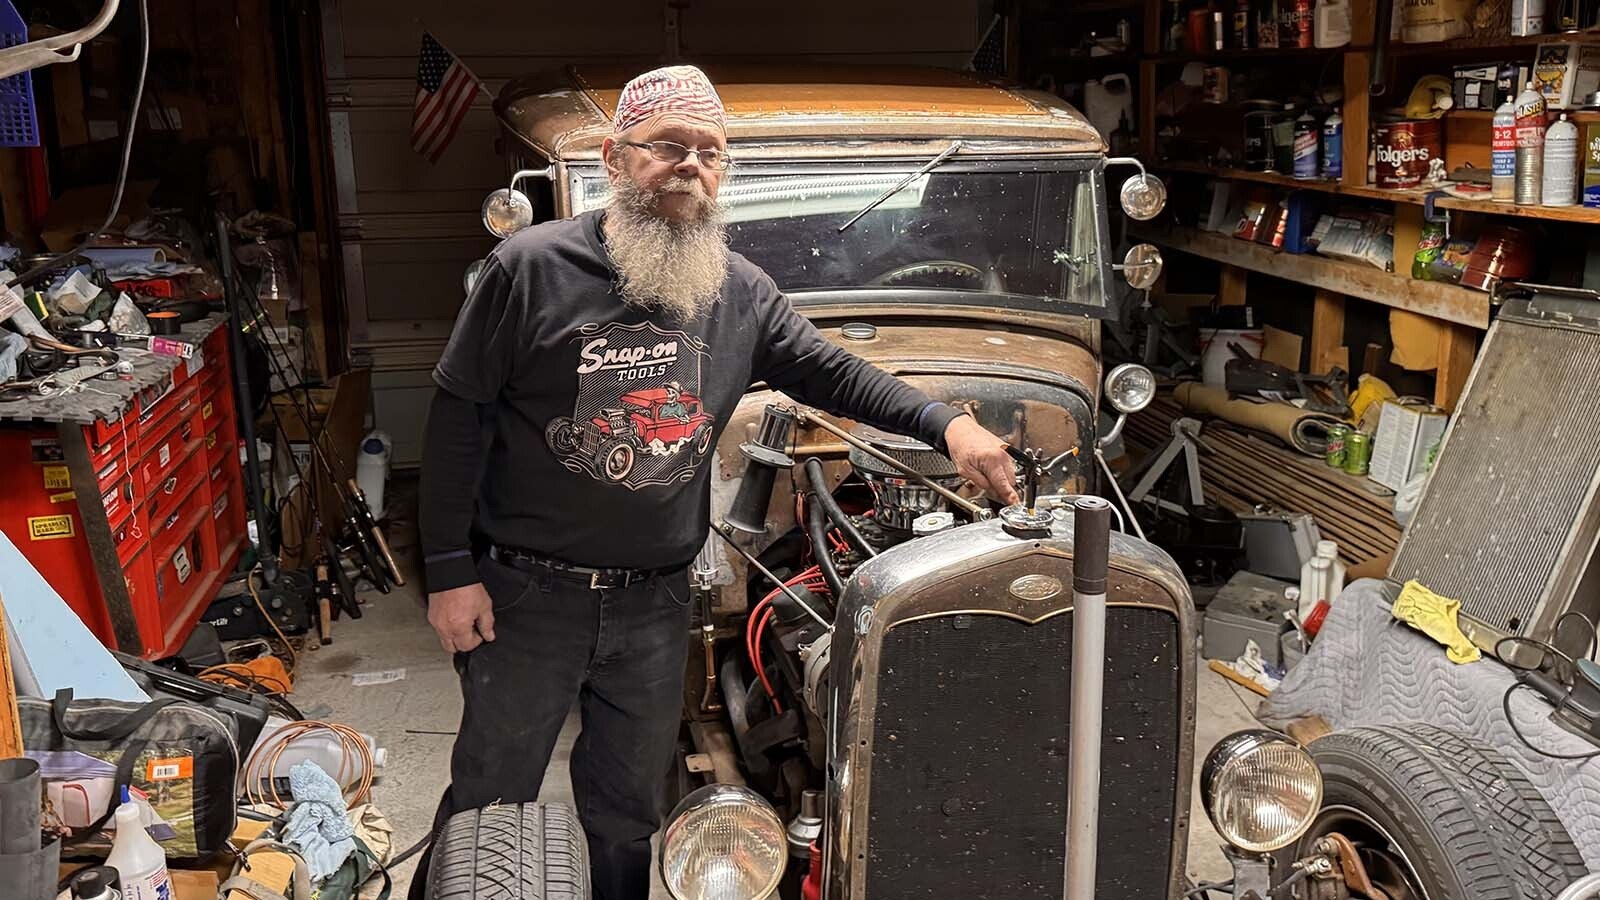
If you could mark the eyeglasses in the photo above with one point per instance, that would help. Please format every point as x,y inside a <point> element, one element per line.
<point>669,152</point>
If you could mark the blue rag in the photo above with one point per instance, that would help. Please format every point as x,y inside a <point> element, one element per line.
<point>319,824</point>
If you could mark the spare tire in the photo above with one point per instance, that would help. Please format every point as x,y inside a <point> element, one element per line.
<point>1436,816</point>
<point>517,851</point>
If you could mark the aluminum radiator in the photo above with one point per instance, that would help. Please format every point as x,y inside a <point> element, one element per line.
<point>1508,522</point>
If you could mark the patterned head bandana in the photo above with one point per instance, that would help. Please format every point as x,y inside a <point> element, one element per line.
<point>684,90</point>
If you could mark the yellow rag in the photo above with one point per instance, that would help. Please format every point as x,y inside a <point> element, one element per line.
<point>1435,616</point>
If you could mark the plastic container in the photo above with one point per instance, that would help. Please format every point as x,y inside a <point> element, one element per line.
<point>1321,579</point>
<point>1333,147</point>
<point>372,469</point>
<point>1503,154</point>
<point>140,862</point>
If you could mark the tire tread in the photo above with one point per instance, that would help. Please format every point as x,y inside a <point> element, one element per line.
<point>521,851</point>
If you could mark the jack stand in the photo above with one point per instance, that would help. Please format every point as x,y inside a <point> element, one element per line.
<point>1185,440</point>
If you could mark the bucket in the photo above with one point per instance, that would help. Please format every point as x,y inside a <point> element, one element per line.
<point>372,469</point>
<point>1215,352</point>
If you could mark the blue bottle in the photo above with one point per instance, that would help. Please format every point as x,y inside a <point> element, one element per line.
<point>1333,147</point>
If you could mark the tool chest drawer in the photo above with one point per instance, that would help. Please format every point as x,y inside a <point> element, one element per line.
<point>167,495</point>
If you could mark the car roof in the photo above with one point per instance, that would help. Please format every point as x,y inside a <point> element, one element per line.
<point>874,110</point>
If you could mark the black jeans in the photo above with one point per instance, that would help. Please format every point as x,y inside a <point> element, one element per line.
<point>620,654</point>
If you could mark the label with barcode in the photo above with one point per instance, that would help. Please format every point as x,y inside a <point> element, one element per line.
<point>170,769</point>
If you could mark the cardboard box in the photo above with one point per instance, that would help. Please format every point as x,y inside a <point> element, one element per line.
<point>1476,87</point>
<point>1406,438</point>
<point>1567,72</point>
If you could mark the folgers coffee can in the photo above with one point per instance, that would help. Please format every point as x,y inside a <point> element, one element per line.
<point>1404,150</point>
<point>1338,435</point>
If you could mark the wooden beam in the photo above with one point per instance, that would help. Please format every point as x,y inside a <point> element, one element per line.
<point>1147,109</point>
<point>10,719</point>
<point>14,196</point>
<point>1458,346</point>
<point>1231,287</point>
<point>102,546</point>
<point>1327,331</point>
<point>1357,116</point>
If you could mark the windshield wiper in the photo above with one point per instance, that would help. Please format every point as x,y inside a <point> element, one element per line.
<point>927,167</point>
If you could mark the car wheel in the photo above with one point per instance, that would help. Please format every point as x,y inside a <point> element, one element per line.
<point>1434,816</point>
<point>562,435</point>
<point>702,438</point>
<point>616,460</point>
<point>521,851</point>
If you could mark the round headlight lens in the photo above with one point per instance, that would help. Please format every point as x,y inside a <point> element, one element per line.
<point>1130,387</point>
<point>1261,790</point>
<point>723,842</point>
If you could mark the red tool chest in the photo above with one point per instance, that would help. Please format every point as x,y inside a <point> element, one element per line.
<point>170,489</point>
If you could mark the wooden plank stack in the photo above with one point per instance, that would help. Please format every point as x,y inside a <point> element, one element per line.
<point>1241,469</point>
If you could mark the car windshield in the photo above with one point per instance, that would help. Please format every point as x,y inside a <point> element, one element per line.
<point>1017,229</point>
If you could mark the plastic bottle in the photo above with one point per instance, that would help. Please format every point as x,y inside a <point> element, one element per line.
<point>95,883</point>
<point>1329,550</point>
<point>1321,578</point>
<point>1504,153</point>
<point>1333,147</point>
<point>1560,164</point>
<point>1530,145</point>
<point>372,468</point>
<point>1305,146</point>
<point>1332,23</point>
<point>139,860</point>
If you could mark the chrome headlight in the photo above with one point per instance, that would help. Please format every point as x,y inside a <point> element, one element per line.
<point>506,212</point>
<point>723,842</point>
<point>1260,789</point>
<point>1130,387</point>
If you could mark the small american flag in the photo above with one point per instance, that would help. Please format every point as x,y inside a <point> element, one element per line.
<point>445,91</point>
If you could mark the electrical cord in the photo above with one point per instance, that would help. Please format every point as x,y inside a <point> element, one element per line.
<point>250,582</point>
<point>1505,706</point>
<point>1592,634</point>
<point>1565,678</point>
<point>63,259</point>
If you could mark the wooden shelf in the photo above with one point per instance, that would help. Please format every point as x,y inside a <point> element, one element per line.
<point>1577,214</point>
<point>1441,301</point>
<point>1483,45</point>
<point>1576,115</point>
<point>1281,53</point>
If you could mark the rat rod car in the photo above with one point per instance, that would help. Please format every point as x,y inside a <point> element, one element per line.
<point>657,420</point>
<point>894,690</point>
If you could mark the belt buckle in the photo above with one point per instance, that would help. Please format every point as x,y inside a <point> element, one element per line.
<point>602,581</point>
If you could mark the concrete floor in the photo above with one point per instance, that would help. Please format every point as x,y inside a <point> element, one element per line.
<point>415,719</point>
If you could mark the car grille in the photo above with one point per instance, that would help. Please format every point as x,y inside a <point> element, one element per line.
<point>969,771</point>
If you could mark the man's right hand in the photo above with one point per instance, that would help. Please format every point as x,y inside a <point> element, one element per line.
<point>463,617</point>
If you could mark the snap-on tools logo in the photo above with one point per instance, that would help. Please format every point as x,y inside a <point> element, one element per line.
<point>637,420</point>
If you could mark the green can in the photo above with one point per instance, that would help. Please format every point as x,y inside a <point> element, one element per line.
<point>1338,438</point>
<point>1357,453</point>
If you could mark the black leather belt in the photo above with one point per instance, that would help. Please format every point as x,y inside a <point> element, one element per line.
<point>594,579</point>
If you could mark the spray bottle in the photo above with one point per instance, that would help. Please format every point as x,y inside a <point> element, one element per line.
<point>1333,147</point>
<point>1504,153</point>
<point>1530,145</point>
<point>138,859</point>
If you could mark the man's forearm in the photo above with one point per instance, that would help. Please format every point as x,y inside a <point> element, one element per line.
<point>452,465</point>
<point>845,384</point>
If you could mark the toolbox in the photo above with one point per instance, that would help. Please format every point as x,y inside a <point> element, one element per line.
<point>1249,607</point>
<point>168,484</point>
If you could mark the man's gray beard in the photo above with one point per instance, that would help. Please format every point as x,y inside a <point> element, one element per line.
<point>675,267</point>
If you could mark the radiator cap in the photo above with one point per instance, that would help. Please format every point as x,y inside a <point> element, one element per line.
<point>1021,522</point>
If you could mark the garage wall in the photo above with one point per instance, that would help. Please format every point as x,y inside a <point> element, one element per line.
<point>409,229</point>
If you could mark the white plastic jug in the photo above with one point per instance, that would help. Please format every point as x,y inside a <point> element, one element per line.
<point>1106,101</point>
<point>1321,578</point>
<point>372,469</point>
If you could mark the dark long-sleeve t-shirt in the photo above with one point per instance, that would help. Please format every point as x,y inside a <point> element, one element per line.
<point>576,426</point>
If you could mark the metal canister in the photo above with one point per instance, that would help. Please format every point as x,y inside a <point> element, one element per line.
<point>1357,453</point>
<point>1338,437</point>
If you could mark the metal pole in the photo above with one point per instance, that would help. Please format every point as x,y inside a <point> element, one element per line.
<point>1091,551</point>
<point>956,500</point>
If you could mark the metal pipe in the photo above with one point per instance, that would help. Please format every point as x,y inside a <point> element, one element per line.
<point>57,48</point>
<point>819,492</point>
<point>725,531</point>
<point>1091,554</point>
<point>960,502</point>
<point>19,806</point>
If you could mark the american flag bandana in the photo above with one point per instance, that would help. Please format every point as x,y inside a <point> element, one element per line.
<point>677,89</point>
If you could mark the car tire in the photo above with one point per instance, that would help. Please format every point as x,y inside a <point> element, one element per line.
<point>1412,802</point>
<point>1526,826</point>
<point>518,851</point>
<point>615,460</point>
<point>702,439</point>
<point>562,435</point>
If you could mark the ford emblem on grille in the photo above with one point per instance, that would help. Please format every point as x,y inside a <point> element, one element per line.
<point>1035,587</point>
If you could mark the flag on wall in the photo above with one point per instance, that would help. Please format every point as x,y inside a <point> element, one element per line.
<point>445,91</point>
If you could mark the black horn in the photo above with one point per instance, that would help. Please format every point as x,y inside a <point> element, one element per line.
<point>766,455</point>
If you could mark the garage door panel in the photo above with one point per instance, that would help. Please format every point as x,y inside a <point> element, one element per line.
<point>864,26</point>
<point>386,163</point>
<point>376,28</point>
<point>409,280</point>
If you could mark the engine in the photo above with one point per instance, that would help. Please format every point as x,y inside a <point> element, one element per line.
<point>776,692</point>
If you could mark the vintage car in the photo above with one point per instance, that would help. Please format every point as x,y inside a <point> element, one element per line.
<point>896,691</point>
<point>657,420</point>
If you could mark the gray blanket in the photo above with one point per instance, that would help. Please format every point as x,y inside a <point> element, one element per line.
<point>1366,668</point>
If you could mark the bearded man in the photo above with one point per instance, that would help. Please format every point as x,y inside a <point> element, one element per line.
<point>557,545</point>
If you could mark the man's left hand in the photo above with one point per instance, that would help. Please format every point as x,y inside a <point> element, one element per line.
<point>981,458</point>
